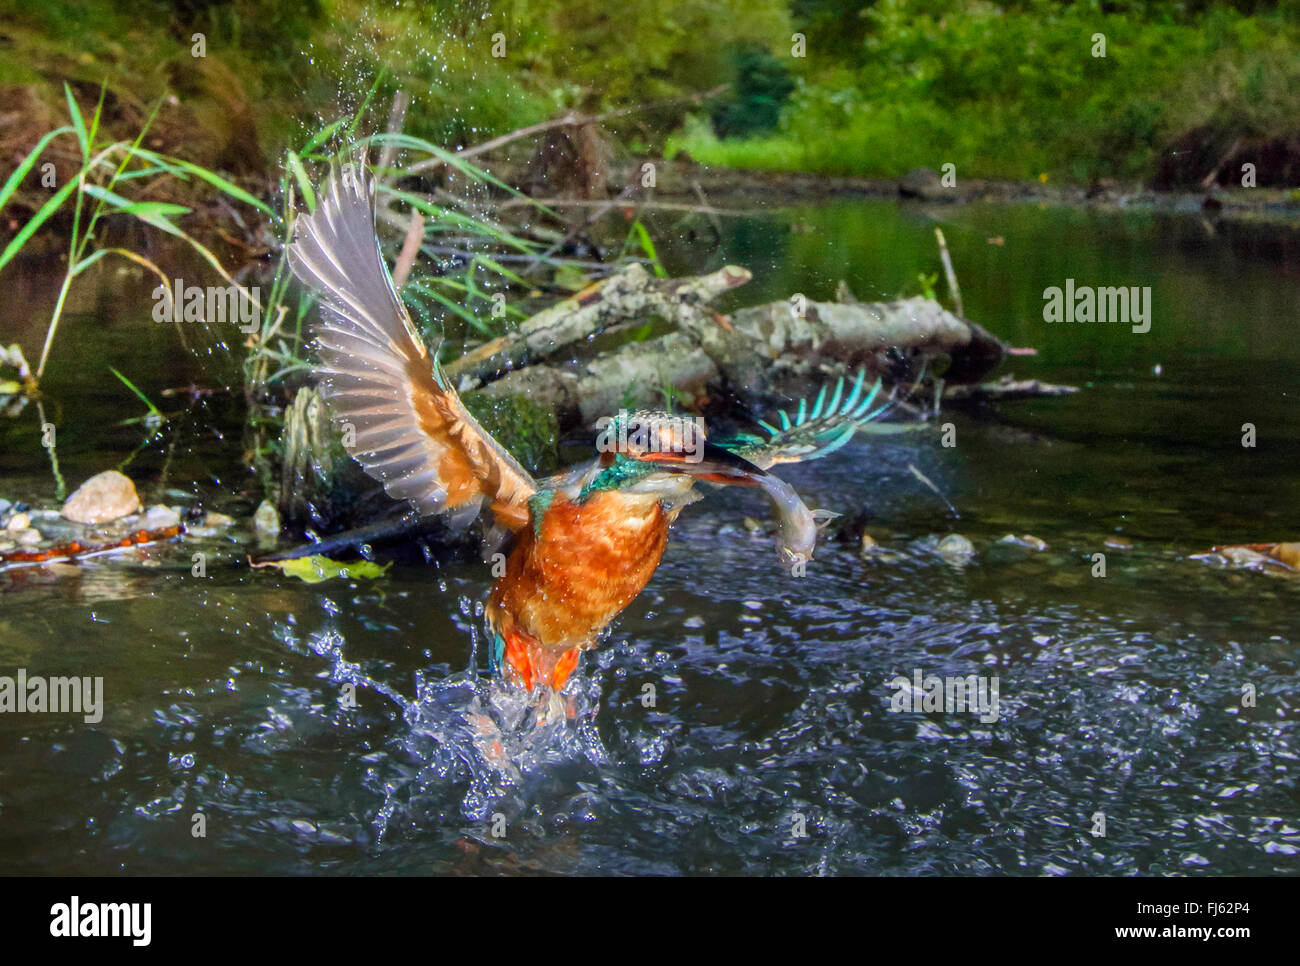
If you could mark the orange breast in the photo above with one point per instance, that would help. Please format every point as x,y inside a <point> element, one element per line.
<point>564,585</point>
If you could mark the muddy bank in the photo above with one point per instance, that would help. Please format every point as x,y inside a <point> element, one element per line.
<point>686,180</point>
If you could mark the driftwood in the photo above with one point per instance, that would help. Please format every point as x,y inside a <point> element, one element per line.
<point>633,294</point>
<point>768,348</point>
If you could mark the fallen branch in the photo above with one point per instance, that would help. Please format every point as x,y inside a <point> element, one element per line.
<point>631,294</point>
<point>767,349</point>
<point>853,332</point>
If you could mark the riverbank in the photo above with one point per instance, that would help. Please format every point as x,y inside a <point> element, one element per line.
<point>679,179</point>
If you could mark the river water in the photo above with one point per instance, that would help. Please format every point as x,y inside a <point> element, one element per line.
<point>737,720</point>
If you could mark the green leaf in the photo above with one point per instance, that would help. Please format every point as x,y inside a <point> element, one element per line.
<point>648,246</point>
<point>153,213</point>
<point>315,568</point>
<point>571,277</point>
<point>21,172</point>
<point>78,123</point>
<point>320,137</point>
<point>304,182</point>
<point>214,179</point>
<point>38,219</point>
<point>153,410</point>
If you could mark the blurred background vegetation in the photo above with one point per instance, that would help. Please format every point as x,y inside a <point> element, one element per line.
<point>1005,90</point>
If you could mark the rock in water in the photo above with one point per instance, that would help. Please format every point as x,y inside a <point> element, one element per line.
<point>266,520</point>
<point>104,497</point>
<point>955,545</point>
<point>159,516</point>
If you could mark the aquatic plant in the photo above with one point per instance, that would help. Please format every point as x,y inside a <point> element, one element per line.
<point>105,170</point>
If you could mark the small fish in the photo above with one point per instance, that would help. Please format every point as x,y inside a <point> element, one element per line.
<point>799,525</point>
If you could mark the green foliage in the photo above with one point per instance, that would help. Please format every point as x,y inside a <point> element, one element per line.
<point>836,26</point>
<point>527,430</point>
<point>761,88</point>
<point>107,168</point>
<point>644,50</point>
<point>1013,90</point>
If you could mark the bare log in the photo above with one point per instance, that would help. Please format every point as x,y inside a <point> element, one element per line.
<point>853,332</point>
<point>766,349</point>
<point>632,294</point>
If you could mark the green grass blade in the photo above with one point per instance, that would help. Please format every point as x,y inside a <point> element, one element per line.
<point>501,270</point>
<point>443,218</point>
<point>214,179</point>
<point>155,213</point>
<point>452,160</point>
<point>78,122</point>
<point>304,182</point>
<point>11,185</point>
<point>35,223</point>
<point>365,105</point>
<point>451,306</point>
<point>320,137</point>
<point>648,246</point>
<point>99,114</point>
<point>153,410</point>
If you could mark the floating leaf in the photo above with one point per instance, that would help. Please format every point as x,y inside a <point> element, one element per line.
<point>315,568</point>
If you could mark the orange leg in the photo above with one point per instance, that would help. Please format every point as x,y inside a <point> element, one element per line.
<point>564,667</point>
<point>519,658</point>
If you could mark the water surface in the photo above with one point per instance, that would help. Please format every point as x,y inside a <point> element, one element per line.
<point>225,695</point>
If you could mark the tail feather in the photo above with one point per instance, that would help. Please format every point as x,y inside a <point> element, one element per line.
<point>817,431</point>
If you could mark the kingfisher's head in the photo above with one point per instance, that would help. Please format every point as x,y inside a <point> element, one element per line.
<point>650,449</point>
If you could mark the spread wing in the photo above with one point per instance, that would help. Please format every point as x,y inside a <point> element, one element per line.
<point>413,433</point>
<point>814,430</point>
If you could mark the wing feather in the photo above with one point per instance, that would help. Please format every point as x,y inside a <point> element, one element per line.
<point>413,432</point>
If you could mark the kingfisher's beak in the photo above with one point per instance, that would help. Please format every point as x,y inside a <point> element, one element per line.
<point>716,464</point>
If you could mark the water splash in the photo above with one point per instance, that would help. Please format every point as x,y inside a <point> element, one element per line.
<point>472,733</point>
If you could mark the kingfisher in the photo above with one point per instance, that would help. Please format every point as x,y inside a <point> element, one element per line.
<point>579,546</point>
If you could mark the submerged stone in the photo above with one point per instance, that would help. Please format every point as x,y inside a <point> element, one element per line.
<point>955,545</point>
<point>266,520</point>
<point>158,517</point>
<point>1026,540</point>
